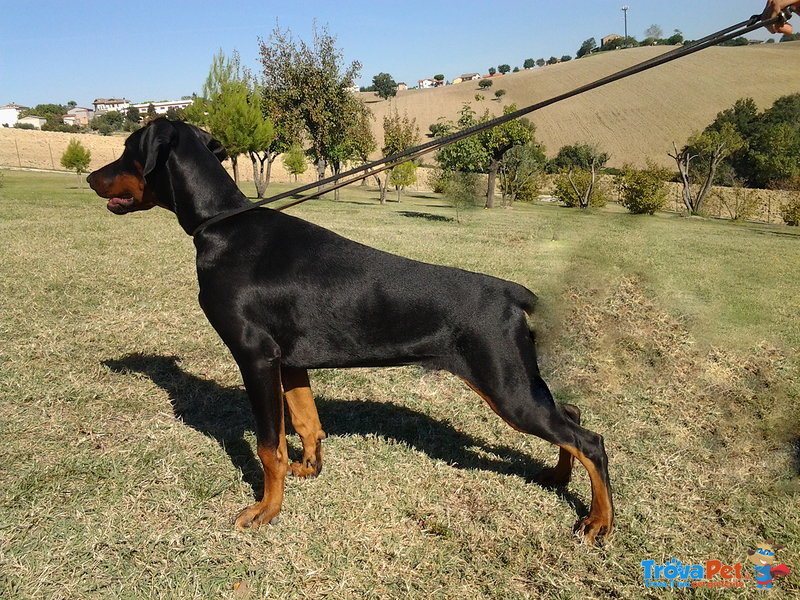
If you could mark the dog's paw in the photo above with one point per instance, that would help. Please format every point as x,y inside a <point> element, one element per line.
<point>255,515</point>
<point>305,470</point>
<point>594,529</point>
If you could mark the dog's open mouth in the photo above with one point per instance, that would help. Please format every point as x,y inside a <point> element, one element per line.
<point>120,205</point>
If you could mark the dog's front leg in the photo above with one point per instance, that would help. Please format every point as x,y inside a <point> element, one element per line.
<point>263,383</point>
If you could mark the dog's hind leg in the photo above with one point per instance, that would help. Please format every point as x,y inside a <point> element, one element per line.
<point>305,420</point>
<point>505,374</point>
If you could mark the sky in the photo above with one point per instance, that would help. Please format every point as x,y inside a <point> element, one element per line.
<point>54,52</point>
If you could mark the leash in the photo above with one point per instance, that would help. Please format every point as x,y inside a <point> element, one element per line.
<point>345,178</point>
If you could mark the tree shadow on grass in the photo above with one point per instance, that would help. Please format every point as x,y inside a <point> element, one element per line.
<point>223,413</point>
<point>427,216</point>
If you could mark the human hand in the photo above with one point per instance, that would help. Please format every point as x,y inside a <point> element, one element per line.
<point>773,8</point>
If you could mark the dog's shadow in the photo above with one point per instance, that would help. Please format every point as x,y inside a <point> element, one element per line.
<point>223,413</point>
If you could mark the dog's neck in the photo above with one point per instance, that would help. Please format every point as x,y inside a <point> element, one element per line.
<point>199,191</point>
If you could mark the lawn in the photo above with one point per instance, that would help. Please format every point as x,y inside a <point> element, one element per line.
<point>126,445</point>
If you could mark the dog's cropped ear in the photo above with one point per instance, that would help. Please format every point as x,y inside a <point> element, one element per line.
<point>155,144</point>
<point>213,144</point>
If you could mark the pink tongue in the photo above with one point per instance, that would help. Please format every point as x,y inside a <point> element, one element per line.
<point>117,202</point>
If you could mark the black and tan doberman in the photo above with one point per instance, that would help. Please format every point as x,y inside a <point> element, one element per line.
<point>286,295</point>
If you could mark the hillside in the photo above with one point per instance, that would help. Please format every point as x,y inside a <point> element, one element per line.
<point>632,119</point>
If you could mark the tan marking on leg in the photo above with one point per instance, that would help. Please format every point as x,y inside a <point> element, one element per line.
<point>600,520</point>
<point>305,420</point>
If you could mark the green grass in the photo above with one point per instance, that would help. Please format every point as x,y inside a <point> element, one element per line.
<point>126,445</point>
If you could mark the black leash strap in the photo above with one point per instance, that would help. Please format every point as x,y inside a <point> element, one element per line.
<point>329,184</point>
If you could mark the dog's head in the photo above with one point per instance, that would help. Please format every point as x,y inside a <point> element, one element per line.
<point>129,182</point>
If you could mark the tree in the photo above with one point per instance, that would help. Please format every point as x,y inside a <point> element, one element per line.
<point>540,62</point>
<point>675,38</point>
<point>578,156</point>
<point>133,115</point>
<point>399,133</point>
<point>708,149</point>
<point>485,84</point>
<point>504,68</point>
<point>295,160</point>
<point>499,94</point>
<point>403,175</point>
<point>385,85</point>
<point>461,191</point>
<point>587,47</point>
<point>529,63</point>
<point>578,166</point>
<point>439,78</point>
<point>482,153</point>
<point>566,58</point>
<point>76,158</point>
<point>654,31</point>
<point>521,172</point>
<point>552,60</point>
<point>492,70</point>
<point>310,85</point>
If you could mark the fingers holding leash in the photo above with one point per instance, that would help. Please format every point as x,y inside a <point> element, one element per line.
<point>774,7</point>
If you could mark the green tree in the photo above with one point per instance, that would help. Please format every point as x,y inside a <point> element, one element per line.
<point>578,156</point>
<point>529,63</point>
<point>485,84</point>
<point>311,86</point>
<point>707,149</point>
<point>577,167</point>
<point>552,60</point>
<point>402,176</point>
<point>399,133</point>
<point>482,153</point>
<point>522,172</point>
<point>461,191</point>
<point>76,158</point>
<point>498,94</point>
<point>385,86</point>
<point>295,160</point>
<point>540,62</point>
<point>45,110</point>
<point>504,68</point>
<point>133,115</point>
<point>675,38</point>
<point>492,70</point>
<point>587,47</point>
<point>578,188</point>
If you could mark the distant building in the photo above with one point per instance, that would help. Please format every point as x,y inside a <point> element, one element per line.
<point>37,122</point>
<point>470,76</point>
<point>426,83</point>
<point>609,38</point>
<point>161,107</point>
<point>9,114</point>
<point>104,105</point>
<point>78,116</point>
<point>402,86</point>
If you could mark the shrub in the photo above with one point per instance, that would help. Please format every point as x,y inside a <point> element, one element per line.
<point>522,172</point>
<point>462,191</point>
<point>642,191</point>
<point>485,83</point>
<point>791,212</point>
<point>739,202</point>
<point>573,187</point>
<point>76,157</point>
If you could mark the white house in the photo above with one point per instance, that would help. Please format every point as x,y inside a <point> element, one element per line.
<point>161,107</point>
<point>10,113</point>
<point>104,105</point>
<point>426,83</point>
<point>37,122</point>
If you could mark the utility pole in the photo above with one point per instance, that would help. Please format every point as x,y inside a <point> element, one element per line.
<point>624,10</point>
